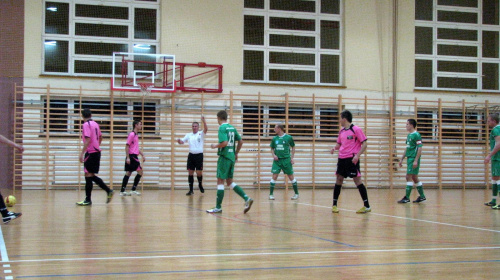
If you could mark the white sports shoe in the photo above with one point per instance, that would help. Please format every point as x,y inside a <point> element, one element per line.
<point>214,210</point>
<point>125,194</point>
<point>295,197</point>
<point>135,192</point>
<point>271,197</point>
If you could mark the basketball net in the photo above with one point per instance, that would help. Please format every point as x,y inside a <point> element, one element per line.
<point>146,88</point>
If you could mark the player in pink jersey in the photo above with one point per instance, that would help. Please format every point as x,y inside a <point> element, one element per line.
<point>351,143</point>
<point>91,157</point>
<point>132,162</point>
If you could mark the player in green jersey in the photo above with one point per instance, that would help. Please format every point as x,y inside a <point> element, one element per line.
<point>413,152</point>
<point>228,155</point>
<point>494,157</point>
<point>283,151</point>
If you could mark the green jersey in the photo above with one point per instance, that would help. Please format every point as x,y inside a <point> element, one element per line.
<point>495,132</point>
<point>413,142</point>
<point>281,145</point>
<point>228,133</point>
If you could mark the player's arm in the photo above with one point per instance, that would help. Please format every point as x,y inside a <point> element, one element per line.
<point>86,144</point>
<point>205,127</point>
<point>127,153</point>
<point>238,148</point>
<point>273,154</point>
<point>292,154</point>
<point>495,150</point>
<point>4,140</point>
<point>336,148</point>
<point>417,157</point>
<point>355,159</point>
<point>402,158</point>
<point>220,145</point>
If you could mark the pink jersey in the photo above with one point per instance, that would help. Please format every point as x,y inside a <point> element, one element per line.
<point>350,141</point>
<point>133,143</point>
<point>91,130</point>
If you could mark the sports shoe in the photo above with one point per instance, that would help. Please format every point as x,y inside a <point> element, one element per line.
<point>496,207</point>
<point>11,216</point>
<point>135,192</point>
<point>491,203</point>
<point>248,205</point>
<point>110,196</point>
<point>125,194</point>
<point>295,197</point>
<point>202,190</point>
<point>419,199</point>
<point>214,210</point>
<point>335,209</point>
<point>404,200</point>
<point>364,210</point>
<point>84,203</point>
<point>271,197</point>
<point>189,193</point>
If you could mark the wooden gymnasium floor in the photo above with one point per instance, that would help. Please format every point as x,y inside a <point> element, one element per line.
<point>166,235</point>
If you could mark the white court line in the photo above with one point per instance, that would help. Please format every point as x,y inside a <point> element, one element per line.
<point>406,218</point>
<point>256,254</point>
<point>3,249</point>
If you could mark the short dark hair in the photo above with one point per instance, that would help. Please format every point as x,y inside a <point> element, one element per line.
<point>495,117</point>
<point>196,123</point>
<point>222,115</point>
<point>86,113</point>
<point>281,126</point>
<point>135,123</point>
<point>346,114</point>
<point>413,122</point>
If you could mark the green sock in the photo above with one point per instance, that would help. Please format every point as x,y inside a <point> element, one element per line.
<point>420,190</point>
<point>220,197</point>
<point>271,188</point>
<point>295,187</point>
<point>495,192</point>
<point>408,190</point>
<point>240,192</point>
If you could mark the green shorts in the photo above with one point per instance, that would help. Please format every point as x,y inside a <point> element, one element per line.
<point>225,168</point>
<point>284,164</point>
<point>409,168</point>
<point>495,168</point>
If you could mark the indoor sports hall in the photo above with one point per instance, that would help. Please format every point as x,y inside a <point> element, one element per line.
<point>299,63</point>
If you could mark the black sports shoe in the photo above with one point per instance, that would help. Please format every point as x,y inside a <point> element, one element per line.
<point>202,190</point>
<point>404,200</point>
<point>190,193</point>
<point>491,203</point>
<point>419,199</point>
<point>11,216</point>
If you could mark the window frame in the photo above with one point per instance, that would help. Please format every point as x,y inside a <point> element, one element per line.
<point>447,78</point>
<point>71,38</point>
<point>267,49</point>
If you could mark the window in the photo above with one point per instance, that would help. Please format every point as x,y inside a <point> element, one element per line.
<point>452,123</point>
<point>293,42</point>
<point>81,35</point>
<point>64,116</point>
<point>457,45</point>
<point>303,121</point>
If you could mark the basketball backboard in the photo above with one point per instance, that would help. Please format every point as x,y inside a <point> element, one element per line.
<point>132,69</point>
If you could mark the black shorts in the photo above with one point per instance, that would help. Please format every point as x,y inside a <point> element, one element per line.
<point>346,168</point>
<point>92,162</point>
<point>134,165</point>
<point>195,161</point>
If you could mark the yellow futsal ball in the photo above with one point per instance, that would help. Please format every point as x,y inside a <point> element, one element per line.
<point>10,201</point>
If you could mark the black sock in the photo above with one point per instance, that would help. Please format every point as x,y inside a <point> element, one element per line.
<point>336,193</point>
<point>191,182</point>
<point>200,179</point>
<point>101,184</point>
<point>364,195</point>
<point>124,183</point>
<point>3,207</point>
<point>88,188</point>
<point>136,181</point>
